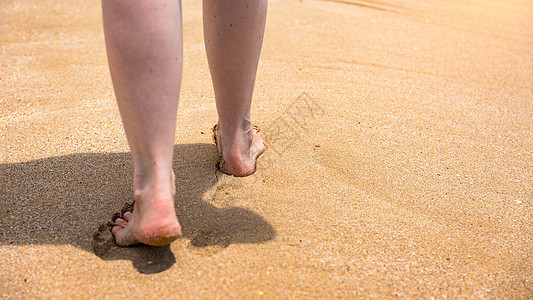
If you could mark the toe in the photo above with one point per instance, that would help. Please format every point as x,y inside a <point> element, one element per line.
<point>127,216</point>
<point>121,222</point>
<point>122,236</point>
<point>116,229</point>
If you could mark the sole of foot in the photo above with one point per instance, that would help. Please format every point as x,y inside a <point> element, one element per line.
<point>158,232</point>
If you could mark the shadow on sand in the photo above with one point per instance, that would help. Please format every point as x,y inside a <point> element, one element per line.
<point>65,199</point>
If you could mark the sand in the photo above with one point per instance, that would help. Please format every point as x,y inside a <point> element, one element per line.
<point>400,160</point>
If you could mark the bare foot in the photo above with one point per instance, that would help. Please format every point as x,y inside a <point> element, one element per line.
<point>153,221</point>
<point>238,151</point>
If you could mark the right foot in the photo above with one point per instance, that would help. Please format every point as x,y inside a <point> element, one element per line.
<point>153,221</point>
<point>238,151</point>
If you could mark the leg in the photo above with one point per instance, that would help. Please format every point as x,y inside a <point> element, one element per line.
<point>233,34</point>
<point>144,48</point>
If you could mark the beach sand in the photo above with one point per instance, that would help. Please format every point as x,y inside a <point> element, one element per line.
<point>400,160</point>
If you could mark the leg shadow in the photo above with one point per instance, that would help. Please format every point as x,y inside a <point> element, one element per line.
<point>63,200</point>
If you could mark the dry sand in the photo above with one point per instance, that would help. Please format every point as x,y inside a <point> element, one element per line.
<point>406,170</point>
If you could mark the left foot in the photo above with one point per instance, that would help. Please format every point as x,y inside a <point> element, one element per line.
<point>153,221</point>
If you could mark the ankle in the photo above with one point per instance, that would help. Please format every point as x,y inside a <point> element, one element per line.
<point>235,126</point>
<point>153,180</point>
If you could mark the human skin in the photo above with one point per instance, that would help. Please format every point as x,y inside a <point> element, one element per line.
<point>145,54</point>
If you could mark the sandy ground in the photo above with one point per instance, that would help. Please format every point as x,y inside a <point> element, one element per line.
<point>400,159</point>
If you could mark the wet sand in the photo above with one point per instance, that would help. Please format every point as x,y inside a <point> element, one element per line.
<point>400,160</point>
